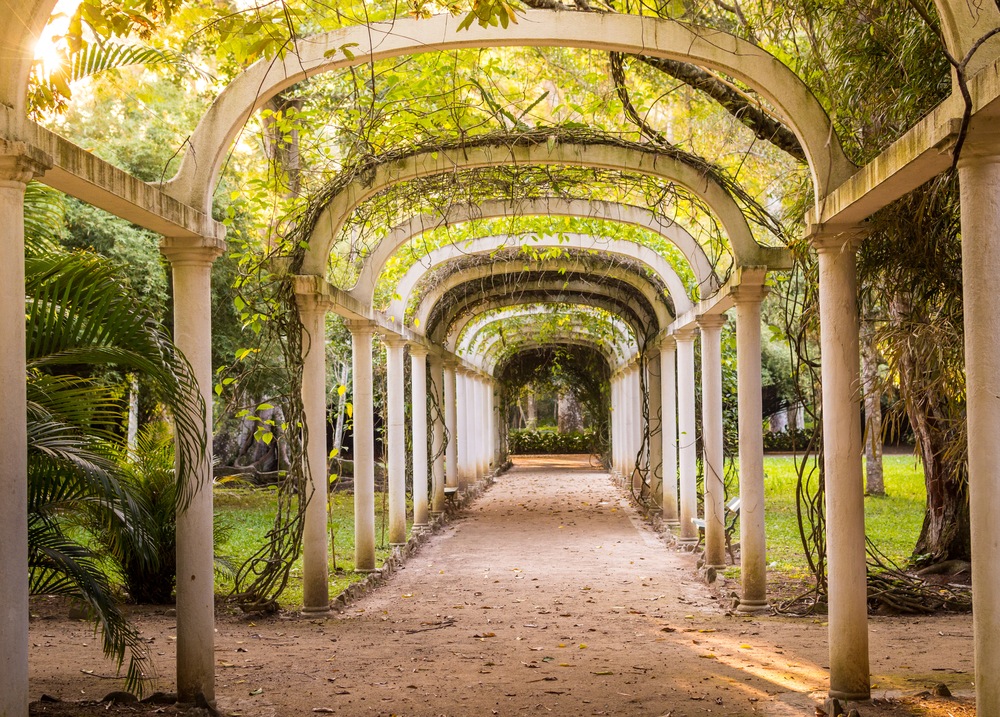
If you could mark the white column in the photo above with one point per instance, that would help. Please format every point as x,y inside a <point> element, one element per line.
<point>396,438</point>
<point>655,393</point>
<point>668,430</point>
<point>451,423</point>
<point>711,432</point>
<point>842,451</point>
<point>315,540</point>
<point>631,414</point>
<point>462,426</point>
<point>437,435</point>
<point>418,401</point>
<point>16,170</point>
<point>364,446</point>
<point>979,177</point>
<point>192,279</point>
<point>687,439</point>
<point>484,429</point>
<point>753,539</point>
<point>615,421</point>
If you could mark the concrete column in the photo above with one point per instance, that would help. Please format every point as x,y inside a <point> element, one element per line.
<point>191,266</point>
<point>478,426</point>
<point>753,542</point>
<point>711,432</point>
<point>418,401</point>
<point>451,423</point>
<point>615,420</point>
<point>668,429</point>
<point>655,392</point>
<point>437,435</point>
<point>315,536</point>
<point>842,452</point>
<point>396,438</point>
<point>364,446</point>
<point>16,169</point>
<point>979,177</point>
<point>462,426</point>
<point>687,439</point>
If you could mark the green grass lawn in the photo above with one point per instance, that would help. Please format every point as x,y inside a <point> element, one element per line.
<point>249,513</point>
<point>893,523</point>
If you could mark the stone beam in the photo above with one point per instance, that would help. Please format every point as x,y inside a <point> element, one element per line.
<point>91,179</point>
<point>921,154</point>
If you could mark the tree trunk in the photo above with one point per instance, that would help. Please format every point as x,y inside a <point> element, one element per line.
<point>874,480</point>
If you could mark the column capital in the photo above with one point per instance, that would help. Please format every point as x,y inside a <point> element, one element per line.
<point>712,321</point>
<point>749,293</point>
<point>685,335</point>
<point>192,252</point>
<point>834,238</point>
<point>981,146</point>
<point>360,327</point>
<point>20,162</point>
<point>418,350</point>
<point>451,362</point>
<point>393,340</point>
<point>668,343</point>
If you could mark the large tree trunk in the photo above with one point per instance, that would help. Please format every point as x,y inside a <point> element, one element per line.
<point>945,532</point>
<point>874,480</point>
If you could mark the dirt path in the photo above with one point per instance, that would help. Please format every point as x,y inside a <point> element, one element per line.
<point>549,596</point>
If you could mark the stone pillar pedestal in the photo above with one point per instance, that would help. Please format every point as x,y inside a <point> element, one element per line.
<point>315,536</point>
<point>17,167</point>
<point>753,544</point>
<point>418,402</point>
<point>687,439</point>
<point>842,452</point>
<point>364,446</point>
<point>668,430</point>
<point>396,438</point>
<point>979,176</point>
<point>711,423</point>
<point>191,266</point>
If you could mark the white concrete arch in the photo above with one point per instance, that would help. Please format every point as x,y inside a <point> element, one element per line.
<point>642,286</point>
<point>472,340</point>
<point>488,358</point>
<point>327,230</point>
<point>197,176</point>
<point>642,217</point>
<point>584,294</point>
<point>455,333</point>
<point>485,245</point>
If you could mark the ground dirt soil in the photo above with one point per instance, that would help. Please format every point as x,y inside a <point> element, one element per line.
<point>549,595</point>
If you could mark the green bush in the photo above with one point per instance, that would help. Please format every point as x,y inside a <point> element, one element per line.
<point>793,439</point>
<point>522,442</point>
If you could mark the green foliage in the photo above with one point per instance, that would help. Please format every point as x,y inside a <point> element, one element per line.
<point>525,441</point>
<point>787,441</point>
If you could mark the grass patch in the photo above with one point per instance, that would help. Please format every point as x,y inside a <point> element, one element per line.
<point>249,513</point>
<point>893,523</point>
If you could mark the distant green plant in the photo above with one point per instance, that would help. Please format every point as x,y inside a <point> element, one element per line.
<point>528,441</point>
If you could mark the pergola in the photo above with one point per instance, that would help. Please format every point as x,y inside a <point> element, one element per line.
<point>448,335</point>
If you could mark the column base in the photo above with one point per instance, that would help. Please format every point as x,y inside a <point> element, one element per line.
<point>717,567</point>
<point>366,571</point>
<point>420,527</point>
<point>688,541</point>
<point>850,696</point>
<point>753,606</point>
<point>319,610</point>
<point>672,523</point>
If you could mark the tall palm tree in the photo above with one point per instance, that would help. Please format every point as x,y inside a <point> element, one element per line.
<point>81,323</point>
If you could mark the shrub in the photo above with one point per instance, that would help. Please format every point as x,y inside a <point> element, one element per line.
<point>525,441</point>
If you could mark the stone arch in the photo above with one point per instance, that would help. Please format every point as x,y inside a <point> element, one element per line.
<point>640,217</point>
<point>671,39</point>
<point>473,343</point>
<point>468,309</point>
<point>577,338</point>
<point>328,227</point>
<point>653,261</point>
<point>574,275</point>
<point>467,318</point>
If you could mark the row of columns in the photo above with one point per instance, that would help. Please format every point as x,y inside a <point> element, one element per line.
<point>461,435</point>
<point>668,432</point>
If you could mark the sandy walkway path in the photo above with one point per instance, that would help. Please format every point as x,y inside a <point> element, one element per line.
<point>549,596</point>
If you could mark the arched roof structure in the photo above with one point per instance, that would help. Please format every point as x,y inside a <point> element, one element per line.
<point>653,262</point>
<point>641,217</point>
<point>196,178</point>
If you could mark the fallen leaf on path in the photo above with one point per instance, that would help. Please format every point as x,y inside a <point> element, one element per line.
<point>323,710</point>
<point>484,635</point>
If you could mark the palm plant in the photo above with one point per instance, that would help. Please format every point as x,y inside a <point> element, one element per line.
<point>81,321</point>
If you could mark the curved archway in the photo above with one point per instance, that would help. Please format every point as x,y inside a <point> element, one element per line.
<point>641,217</point>
<point>670,39</point>
<point>641,159</point>
<point>615,247</point>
